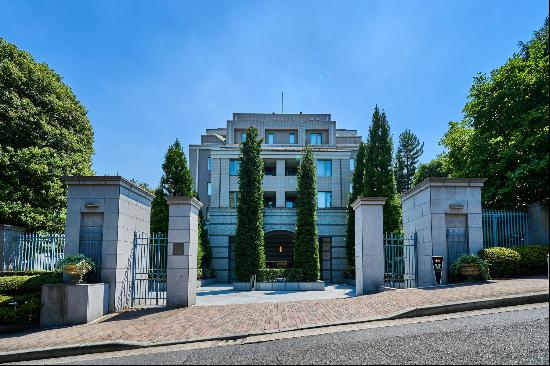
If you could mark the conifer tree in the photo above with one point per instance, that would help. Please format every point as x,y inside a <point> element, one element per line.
<point>406,159</point>
<point>379,179</point>
<point>177,179</point>
<point>356,191</point>
<point>306,247</point>
<point>249,245</point>
<point>159,212</point>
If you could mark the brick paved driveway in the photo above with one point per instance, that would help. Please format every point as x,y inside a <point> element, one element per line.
<point>214,321</point>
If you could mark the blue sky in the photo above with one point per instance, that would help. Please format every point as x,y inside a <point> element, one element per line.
<point>149,72</point>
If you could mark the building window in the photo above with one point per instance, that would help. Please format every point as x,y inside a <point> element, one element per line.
<point>234,167</point>
<point>352,164</point>
<point>292,138</point>
<point>315,138</point>
<point>324,168</point>
<point>243,136</point>
<point>324,199</point>
<point>209,163</point>
<point>290,204</point>
<point>209,188</point>
<point>270,138</point>
<point>233,199</point>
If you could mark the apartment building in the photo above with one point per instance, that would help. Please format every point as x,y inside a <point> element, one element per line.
<point>214,165</point>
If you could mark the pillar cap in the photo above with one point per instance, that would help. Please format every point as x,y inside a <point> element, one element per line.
<point>183,200</point>
<point>368,201</point>
<point>443,182</point>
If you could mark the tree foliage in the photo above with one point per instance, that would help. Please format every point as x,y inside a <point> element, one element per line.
<point>406,159</point>
<point>159,212</point>
<point>504,133</point>
<point>356,191</point>
<point>249,244</point>
<point>45,134</point>
<point>177,179</point>
<point>204,255</point>
<point>435,168</point>
<point>379,178</point>
<point>306,247</point>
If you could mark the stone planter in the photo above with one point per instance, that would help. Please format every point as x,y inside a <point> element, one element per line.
<point>205,282</point>
<point>68,304</point>
<point>281,286</point>
<point>470,271</point>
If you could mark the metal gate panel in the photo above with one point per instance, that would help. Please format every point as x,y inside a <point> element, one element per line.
<point>400,260</point>
<point>149,270</point>
<point>457,243</point>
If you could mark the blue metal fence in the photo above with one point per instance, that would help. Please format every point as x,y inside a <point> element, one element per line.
<point>399,260</point>
<point>37,251</point>
<point>505,228</point>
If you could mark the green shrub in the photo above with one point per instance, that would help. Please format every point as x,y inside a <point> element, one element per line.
<point>27,309</point>
<point>533,259</point>
<point>502,262</point>
<point>470,259</point>
<point>27,284</point>
<point>271,274</point>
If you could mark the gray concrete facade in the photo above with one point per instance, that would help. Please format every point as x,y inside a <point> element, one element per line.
<point>369,244</point>
<point>113,208</point>
<point>538,223</point>
<point>434,206</point>
<point>217,184</point>
<point>183,240</point>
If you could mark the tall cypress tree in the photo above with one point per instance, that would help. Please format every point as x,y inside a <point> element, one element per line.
<point>159,212</point>
<point>356,191</point>
<point>379,179</point>
<point>177,179</point>
<point>249,246</point>
<point>406,159</point>
<point>306,247</point>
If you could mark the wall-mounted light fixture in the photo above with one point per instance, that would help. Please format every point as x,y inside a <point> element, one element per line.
<point>456,205</point>
<point>280,248</point>
<point>91,205</point>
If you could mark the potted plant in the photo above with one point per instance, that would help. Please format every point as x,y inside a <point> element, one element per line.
<point>74,267</point>
<point>470,266</point>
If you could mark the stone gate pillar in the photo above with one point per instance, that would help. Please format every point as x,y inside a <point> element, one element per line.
<point>369,244</point>
<point>183,239</point>
<point>445,214</point>
<point>103,212</point>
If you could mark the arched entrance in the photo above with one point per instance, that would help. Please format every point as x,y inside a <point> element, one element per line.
<point>279,249</point>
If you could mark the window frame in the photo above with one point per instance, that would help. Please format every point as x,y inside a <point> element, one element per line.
<point>323,172</point>
<point>209,188</point>
<point>325,194</point>
<point>316,134</point>
<point>238,166</point>
<point>293,140</point>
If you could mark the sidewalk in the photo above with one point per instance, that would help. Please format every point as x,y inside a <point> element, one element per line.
<point>149,326</point>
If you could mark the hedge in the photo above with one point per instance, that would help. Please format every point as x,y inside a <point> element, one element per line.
<point>26,309</point>
<point>271,274</point>
<point>10,285</point>
<point>503,262</point>
<point>517,261</point>
<point>533,259</point>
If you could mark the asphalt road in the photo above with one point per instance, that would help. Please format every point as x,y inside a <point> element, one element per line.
<point>518,336</point>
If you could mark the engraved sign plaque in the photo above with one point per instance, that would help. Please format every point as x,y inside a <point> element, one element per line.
<point>178,249</point>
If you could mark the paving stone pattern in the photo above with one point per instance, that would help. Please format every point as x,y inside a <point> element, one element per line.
<point>154,325</point>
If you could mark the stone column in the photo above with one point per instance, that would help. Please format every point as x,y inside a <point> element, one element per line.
<point>537,230</point>
<point>183,238</point>
<point>369,244</point>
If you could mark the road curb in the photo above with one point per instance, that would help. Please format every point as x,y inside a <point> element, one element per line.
<point>76,350</point>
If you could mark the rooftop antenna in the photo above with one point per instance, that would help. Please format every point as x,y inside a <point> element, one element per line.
<point>282,103</point>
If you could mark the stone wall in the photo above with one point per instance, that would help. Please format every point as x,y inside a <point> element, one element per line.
<point>538,223</point>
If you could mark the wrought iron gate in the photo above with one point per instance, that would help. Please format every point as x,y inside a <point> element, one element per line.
<point>149,269</point>
<point>399,260</point>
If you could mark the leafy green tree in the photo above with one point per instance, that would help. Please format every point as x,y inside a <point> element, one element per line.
<point>356,191</point>
<point>379,178</point>
<point>435,168</point>
<point>204,256</point>
<point>177,179</point>
<point>406,159</point>
<point>159,212</point>
<point>45,134</point>
<point>249,245</point>
<point>306,246</point>
<point>504,133</point>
